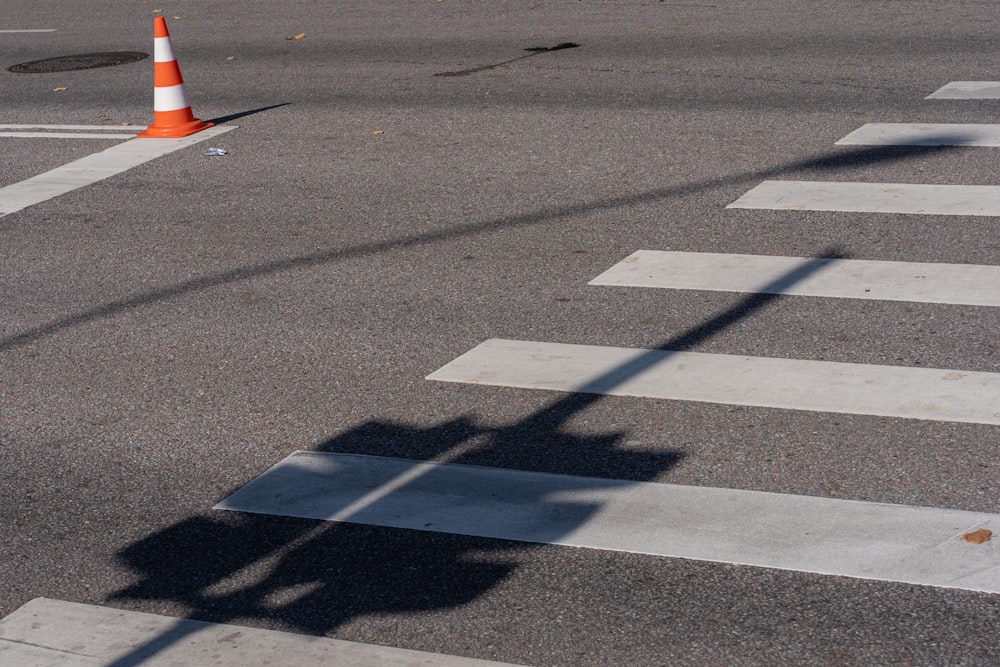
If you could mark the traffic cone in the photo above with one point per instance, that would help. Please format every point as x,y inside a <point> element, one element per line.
<point>172,115</point>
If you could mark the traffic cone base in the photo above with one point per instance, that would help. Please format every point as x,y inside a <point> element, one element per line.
<point>160,130</point>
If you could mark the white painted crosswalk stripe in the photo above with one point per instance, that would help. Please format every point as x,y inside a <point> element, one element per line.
<point>966,284</point>
<point>873,198</point>
<point>48,632</point>
<point>917,545</point>
<point>967,90</point>
<point>793,384</point>
<point>923,134</point>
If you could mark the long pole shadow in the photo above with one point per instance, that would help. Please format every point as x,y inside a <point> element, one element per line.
<point>163,294</point>
<point>297,554</point>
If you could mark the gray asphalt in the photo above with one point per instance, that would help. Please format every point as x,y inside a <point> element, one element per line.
<point>169,334</point>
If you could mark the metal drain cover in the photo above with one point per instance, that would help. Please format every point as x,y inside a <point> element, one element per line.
<point>77,62</point>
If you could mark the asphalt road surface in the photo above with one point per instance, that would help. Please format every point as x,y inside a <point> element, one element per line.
<point>409,179</point>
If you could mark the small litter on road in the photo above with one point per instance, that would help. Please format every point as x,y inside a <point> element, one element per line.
<point>216,151</point>
<point>980,536</point>
<point>298,36</point>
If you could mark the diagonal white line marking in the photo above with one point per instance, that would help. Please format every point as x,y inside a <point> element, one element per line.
<point>917,545</point>
<point>94,168</point>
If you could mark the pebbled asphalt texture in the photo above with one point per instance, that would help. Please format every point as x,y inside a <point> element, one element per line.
<point>408,179</point>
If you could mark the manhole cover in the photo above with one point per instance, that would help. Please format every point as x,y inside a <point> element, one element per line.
<point>81,61</point>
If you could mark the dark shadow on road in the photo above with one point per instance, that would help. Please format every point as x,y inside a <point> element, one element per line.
<point>312,576</point>
<point>825,163</point>
<point>536,50</point>
<point>243,114</point>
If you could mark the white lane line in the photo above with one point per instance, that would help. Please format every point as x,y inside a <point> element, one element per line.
<point>108,128</point>
<point>964,284</point>
<point>923,134</point>
<point>66,135</point>
<point>792,384</point>
<point>94,168</point>
<point>70,634</point>
<point>916,545</point>
<point>873,198</point>
<point>8,32</point>
<point>967,90</point>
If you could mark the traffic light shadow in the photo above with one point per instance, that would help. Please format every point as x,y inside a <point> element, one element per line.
<point>313,577</point>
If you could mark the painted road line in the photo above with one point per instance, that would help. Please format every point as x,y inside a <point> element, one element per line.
<point>873,198</point>
<point>916,545</point>
<point>109,128</point>
<point>69,634</point>
<point>66,135</point>
<point>923,134</point>
<point>94,168</point>
<point>792,384</point>
<point>9,32</point>
<point>960,284</point>
<point>69,131</point>
<point>967,90</point>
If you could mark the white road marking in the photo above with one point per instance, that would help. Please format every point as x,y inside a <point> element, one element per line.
<point>967,90</point>
<point>68,634</point>
<point>965,284</point>
<point>916,545</point>
<point>923,134</point>
<point>28,30</point>
<point>66,135</point>
<point>109,128</point>
<point>873,198</point>
<point>94,168</point>
<point>792,384</point>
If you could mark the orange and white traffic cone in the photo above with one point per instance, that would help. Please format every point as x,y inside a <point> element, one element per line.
<point>172,115</point>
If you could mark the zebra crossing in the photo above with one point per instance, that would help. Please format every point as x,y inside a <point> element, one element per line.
<point>918,545</point>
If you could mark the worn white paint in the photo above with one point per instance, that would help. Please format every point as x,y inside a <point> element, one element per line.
<point>967,90</point>
<point>966,284</point>
<point>916,545</point>
<point>67,135</point>
<point>873,198</point>
<point>53,633</point>
<point>94,168</point>
<point>923,134</point>
<point>793,384</point>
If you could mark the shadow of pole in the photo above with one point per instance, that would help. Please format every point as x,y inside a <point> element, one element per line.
<point>856,157</point>
<point>223,572</point>
<point>243,114</point>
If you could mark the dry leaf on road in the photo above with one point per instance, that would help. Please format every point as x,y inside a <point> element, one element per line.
<point>978,536</point>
